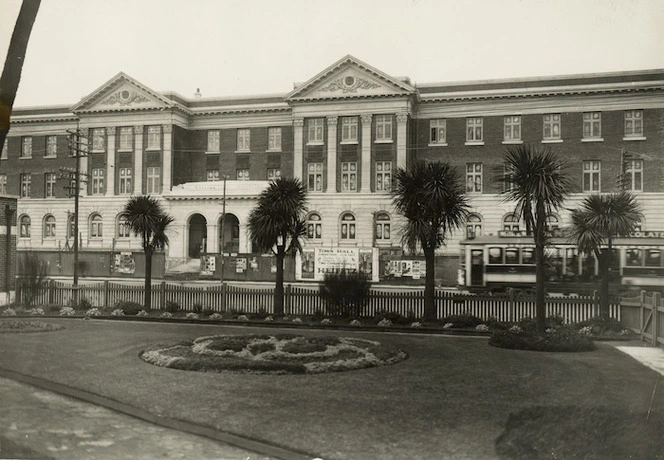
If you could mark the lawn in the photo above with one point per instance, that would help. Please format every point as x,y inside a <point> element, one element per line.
<point>451,398</point>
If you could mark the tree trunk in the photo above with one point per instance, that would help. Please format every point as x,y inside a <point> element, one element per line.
<point>604,264</point>
<point>540,270</point>
<point>11,74</point>
<point>279,284</point>
<point>148,280</point>
<point>430,285</point>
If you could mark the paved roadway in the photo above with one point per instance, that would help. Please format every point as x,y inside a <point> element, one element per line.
<point>35,423</point>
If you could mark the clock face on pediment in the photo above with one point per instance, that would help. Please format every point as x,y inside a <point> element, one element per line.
<point>120,93</point>
<point>349,79</point>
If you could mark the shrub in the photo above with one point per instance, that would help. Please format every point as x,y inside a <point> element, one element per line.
<point>269,319</point>
<point>448,326</point>
<point>208,311</point>
<point>482,328</point>
<point>191,315</point>
<point>355,322</point>
<point>416,324</point>
<point>344,293</point>
<point>550,322</point>
<point>142,313</point>
<point>243,318</point>
<point>37,312</point>
<point>216,316</point>
<point>384,322</point>
<point>463,320</point>
<point>9,312</point>
<point>84,304</point>
<point>33,271</point>
<point>318,315</point>
<point>197,308</point>
<point>564,338</point>
<point>260,314</point>
<point>297,320</point>
<point>93,312</point>
<point>602,326</point>
<point>117,312</point>
<point>394,317</point>
<point>325,321</point>
<point>67,311</point>
<point>166,314</point>
<point>54,308</point>
<point>172,306</point>
<point>129,308</point>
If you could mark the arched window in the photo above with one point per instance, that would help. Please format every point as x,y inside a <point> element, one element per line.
<point>382,226</point>
<point>347,226</point>
<point>510,223</point>
<point>24,223</point>
<point>96,226</point>
<point>314,226</point>
<point>473,226</point>
<point>122,228</point>
<point>49,227</point>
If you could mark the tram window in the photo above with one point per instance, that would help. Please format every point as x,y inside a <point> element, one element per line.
<point>554,264</point>
<point>572,262</point>
<point>588,266</point>
<point>528,256</point>
<point>634,258</point>
<point>511,256</point>
<point>495,255</point>
<point>653,258</point>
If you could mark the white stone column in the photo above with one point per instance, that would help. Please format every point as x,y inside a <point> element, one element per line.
<point>167,158</point>
<point>298,127</point>
<point>402,124</point>
<point>110,162</point>
<point>366,153</point>
<point>212,238</point>
<point>331,155</point>
<point>243,244</point>
<point>138,160</point>
<point>85,173</point>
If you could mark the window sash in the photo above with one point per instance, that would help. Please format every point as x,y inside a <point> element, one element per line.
<point>383,175</point>
<point>49,183</point>
<point>591,176</point>
<point>3,183</point>
<point>349,177</point>
<point>125,180</point>
<point>25,227</point>
<point>26,185</point>
<point>213,141</point>
<point>97,181</point>
<point>153,179</point>
<point>154,137</point>
<point>474,129</point>
<point>126,138</point>
<point>274,138</point>
<point>349,129</point>
<point>26,147</point>
<point>212,175</point>
<point>49,227</point>
<point>273,174</point>
<point>383,127</point>
<point>634,123</point>
<point>634,173</point>
<point>51,145</point>
<point>437,131</point>
<point>98,139</point>
<point>315,177</point>
<point>551,126</point>
<point>592,125</point>
<point>315,130</point>
<point>474,177</point>
<point>243,140</point>
<point>512,129</point>
<point>242,174</point>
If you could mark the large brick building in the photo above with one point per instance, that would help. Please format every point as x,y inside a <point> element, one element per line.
<point>343,132</point>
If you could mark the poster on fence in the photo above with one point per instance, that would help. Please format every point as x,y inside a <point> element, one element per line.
<point>315,263</point>
<point>124,263</point>
<point>208,264</point>
<point>240,265</point>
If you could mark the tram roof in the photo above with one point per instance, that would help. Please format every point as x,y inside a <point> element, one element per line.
<point>528,240</point>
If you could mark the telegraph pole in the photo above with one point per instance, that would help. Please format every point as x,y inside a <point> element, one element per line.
<point>77,148</point>
<point>223,219</point>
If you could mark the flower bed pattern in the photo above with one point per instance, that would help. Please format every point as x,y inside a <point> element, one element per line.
<point>16,326</point>
<point>275,354</point>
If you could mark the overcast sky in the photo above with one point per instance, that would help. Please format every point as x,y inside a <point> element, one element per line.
<point>231,48</point>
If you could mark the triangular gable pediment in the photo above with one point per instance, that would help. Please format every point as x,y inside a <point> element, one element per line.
<point>121,93</point>
<point>349,78</point>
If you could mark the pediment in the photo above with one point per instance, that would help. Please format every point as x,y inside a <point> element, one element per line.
<point>350,78</point>
<point>121,93</point>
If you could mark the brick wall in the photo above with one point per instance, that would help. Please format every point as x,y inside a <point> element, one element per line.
<point>7,267</point>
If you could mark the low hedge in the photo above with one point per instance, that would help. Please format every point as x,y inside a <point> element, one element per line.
<point>564,338</point>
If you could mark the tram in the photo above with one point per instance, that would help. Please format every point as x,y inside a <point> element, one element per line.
<point>493,263</point>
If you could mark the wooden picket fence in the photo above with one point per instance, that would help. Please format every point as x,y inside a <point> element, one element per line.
<point>305,300</point>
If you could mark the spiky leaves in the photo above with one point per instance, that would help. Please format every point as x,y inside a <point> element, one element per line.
<point>432,199</point>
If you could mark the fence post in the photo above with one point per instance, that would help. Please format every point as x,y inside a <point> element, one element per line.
<point>596,306</point>
<point>223,296</point>
<point>106,293</point>
<point>511,305</point>
<point>287,300</point>
<point>656,297</point>
<point>17,291</point>
<point>642,301</point>
<point>51,292</point>
<point>162,290</point>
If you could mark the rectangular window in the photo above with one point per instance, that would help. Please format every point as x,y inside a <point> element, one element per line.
<point>634,123</point>
<point>97,181</point>
<point>383,128</point>
<point>126,138</point>
<point>99,139</point>
<point>212,175</point>
<point>474,129</point>
<point>154,137</point>
<point>551,126</point>
<point>26,185</point>
<point>592,125</point>
<point>125,181</point>
<point>315,177</point>
<point>49,185</point>
<point>349,129</point>
<point>348,177</point>
<point>495,256</point>
<point>273,174</point>
<point>153,179</point>
<point>213,141</point>
<point>512,128</point>
<point>3,184</point>
<point>315,131</point>
<point>51,146</point>
<point>591,175</point>
<point>26,149</point>
<point>508,178</point>
<point>242,174</point>
<point>383,176</point>
<point>474,177</point>
<point>634,175</point>
<point>438,131</point>
<point>274,139</point>
<point>243,140</point>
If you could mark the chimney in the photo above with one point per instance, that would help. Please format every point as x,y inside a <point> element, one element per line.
<point>198,94</point>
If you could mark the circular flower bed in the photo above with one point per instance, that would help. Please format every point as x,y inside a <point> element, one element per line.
<point>278,354</point>
<point>27,326</point>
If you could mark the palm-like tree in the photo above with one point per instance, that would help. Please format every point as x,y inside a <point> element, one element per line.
<point>431,197</point>
<point>147,219</point>
<point>537,185</point>
<point>276,224</point>
<point>594,225</point>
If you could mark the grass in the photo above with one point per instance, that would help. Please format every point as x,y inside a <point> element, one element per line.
<point>453,397</point>
<point>18,325</point>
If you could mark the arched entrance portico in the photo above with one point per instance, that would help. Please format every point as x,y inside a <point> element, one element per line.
<point>231,236</point>
<point>197,235</point>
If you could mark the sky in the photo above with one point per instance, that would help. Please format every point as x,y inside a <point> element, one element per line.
<point>246,47</point>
